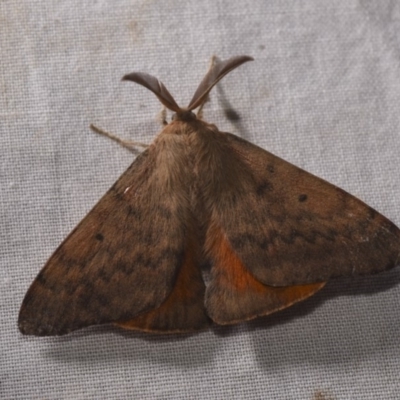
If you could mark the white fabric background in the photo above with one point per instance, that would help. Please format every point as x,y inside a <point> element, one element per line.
<point>323,93</point>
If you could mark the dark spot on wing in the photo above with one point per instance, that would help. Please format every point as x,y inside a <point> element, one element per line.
<point>265,186</point>
<point>302,198</point>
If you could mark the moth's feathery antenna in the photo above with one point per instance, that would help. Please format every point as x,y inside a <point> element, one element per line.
<point>212,63</point>
<point>215,73</point>
<point>130,145</point>
<point>213,76</point>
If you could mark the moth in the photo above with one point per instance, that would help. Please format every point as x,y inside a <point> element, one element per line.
<point>270,233</point>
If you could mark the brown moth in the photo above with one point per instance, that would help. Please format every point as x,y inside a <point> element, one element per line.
<point>272,233</point>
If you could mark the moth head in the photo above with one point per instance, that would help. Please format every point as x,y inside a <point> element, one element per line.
<point>213,76</point>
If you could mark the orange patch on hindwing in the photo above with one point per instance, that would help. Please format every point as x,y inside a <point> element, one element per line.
<point>183,310</point>
<point>234,294</point>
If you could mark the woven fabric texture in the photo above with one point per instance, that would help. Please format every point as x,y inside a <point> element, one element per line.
<point>322,93</point>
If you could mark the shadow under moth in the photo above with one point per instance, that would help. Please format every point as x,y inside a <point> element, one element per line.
<point>271,234</point>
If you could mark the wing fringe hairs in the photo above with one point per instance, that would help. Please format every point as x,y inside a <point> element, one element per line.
<point>272,233</point>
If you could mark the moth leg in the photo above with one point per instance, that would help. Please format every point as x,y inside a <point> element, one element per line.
<point>162,116</point>
<point>130,145</point>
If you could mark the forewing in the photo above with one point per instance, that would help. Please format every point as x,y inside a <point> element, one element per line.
<point>122,260</point>
<point>289,227</point>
